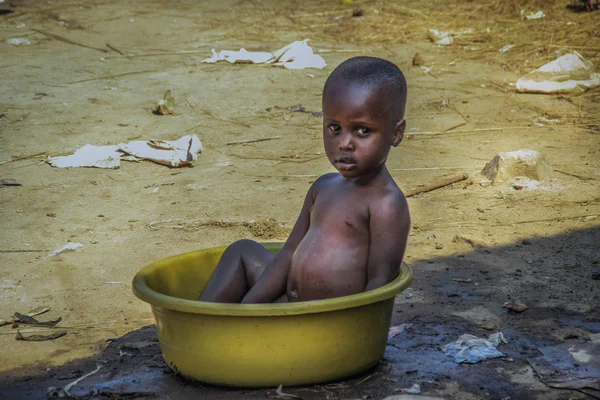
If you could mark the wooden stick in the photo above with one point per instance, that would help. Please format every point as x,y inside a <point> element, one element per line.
<point>115,49</point>
<point>583,178</point>
<point>435,168</point>
<point>113,76</point>
<point>253,140</point>
<point>339,51</point>
<point>575,47</point>
<point>433,133</point>
<point>568,236</point>
<point>68,41</point>
<point>163,53</point>
<point>23,251</point>
<point>437,185</point>
<point>24,157</point>
<point>39,10</point>
<point>531,221</point>
<point>456,126</point>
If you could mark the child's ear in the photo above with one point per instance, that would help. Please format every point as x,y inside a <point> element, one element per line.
<point>399,132</point>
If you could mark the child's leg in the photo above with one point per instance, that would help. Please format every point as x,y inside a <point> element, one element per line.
<point>240,266</point>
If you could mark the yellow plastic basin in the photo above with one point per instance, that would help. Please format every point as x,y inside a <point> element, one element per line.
<point>258,345</point>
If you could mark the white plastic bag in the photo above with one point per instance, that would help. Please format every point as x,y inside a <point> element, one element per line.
<point>570,73</point>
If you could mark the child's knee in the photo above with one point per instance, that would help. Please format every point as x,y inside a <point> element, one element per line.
<point>241,245</point>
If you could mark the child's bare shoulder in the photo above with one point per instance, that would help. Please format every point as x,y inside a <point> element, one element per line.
<point>388,201</point>
<point>324,181</point>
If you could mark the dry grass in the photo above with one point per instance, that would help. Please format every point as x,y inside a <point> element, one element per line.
<point>268,228</point>
<point>386,23</point>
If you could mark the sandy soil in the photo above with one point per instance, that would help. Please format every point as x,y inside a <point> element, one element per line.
<point>58,96</point>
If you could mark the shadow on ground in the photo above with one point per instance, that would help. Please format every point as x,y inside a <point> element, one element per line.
<point>553,343</point>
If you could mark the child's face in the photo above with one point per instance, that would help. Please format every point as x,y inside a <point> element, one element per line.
<point>358,128</point>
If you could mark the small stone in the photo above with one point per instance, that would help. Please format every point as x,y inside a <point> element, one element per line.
<point>462,280</point>
<point>469,239</point>
<point>515,307</point>
<point>571,336</point>
<point>526,241</point>
<point>418,60</point>
<point>439,246</point>
<point>521,163</point>
<point>166,105</point>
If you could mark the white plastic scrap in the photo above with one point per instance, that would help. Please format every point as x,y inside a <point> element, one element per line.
<point>570,73</point>
<point>241,57</point>
<point>296,55</point>
<point>414,389</point>
<point>66,247</point>
<point>446,38</point>
<point>18,41</point>
<point>530,16</point>
<point>471,349</point>
<point>176,153</point>
<point>506,48</point>
<point>90,156</point>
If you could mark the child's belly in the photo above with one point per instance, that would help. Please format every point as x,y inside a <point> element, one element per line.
<point>328,264</point>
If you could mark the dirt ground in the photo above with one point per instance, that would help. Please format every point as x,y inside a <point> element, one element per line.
<point>539,244</point>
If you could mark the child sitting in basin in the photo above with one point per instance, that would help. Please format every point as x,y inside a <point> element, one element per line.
<point>352,230</point>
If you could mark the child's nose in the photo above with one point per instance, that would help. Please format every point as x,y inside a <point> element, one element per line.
<point>346,142</point>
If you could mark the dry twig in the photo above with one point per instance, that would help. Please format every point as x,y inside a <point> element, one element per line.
<point>253,140</point>
<point>437,185</point>
<point>68,41</point>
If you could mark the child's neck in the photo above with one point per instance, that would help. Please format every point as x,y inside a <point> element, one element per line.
<point>373,177</point>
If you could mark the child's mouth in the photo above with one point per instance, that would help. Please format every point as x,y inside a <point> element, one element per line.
<point>345,163</point>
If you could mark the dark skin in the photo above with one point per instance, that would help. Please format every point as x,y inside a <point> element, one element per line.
<point>352,230</point>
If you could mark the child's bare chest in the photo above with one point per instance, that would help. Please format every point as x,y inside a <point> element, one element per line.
<point>340,210</point>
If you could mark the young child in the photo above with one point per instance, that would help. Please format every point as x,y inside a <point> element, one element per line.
<point>351,234</point>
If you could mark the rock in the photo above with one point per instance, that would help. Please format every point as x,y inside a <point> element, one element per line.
<point>515,307</point>
<point>470,240</point>
<point>418,60</point>
<point>166,105</point>
<point>481,317</point>
<point>523,163</point>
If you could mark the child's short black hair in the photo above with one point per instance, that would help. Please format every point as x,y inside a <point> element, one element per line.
<point>376,72</point>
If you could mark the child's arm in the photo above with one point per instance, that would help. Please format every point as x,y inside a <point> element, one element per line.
<point>273,281</point>
<point>389,226</point>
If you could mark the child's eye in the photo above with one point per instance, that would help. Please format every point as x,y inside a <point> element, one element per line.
<point>334,128</point>
<point>363,131</point>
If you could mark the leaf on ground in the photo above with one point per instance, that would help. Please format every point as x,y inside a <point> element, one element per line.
<point>32,313</point>
<point>40,338</point>
<point>282,395</point>
<point>26,319</point>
